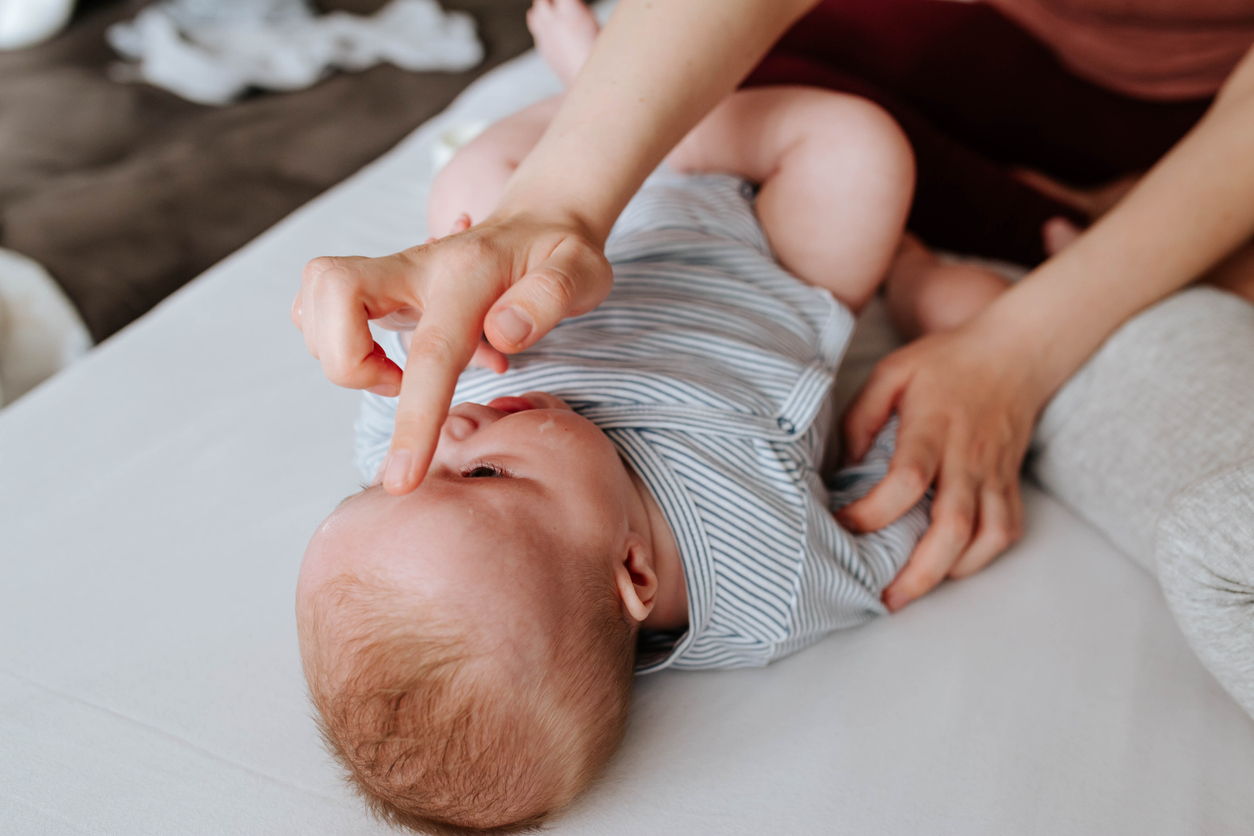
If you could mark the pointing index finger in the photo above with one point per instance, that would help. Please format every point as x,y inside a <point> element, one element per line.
<point>442,345</point>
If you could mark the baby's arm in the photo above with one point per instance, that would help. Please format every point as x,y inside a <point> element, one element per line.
<point>836,176</point>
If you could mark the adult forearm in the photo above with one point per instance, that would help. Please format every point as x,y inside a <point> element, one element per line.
<point>657,68</point>
<point>1189,212</point>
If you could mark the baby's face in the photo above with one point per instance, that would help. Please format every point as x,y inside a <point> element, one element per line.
<point>521,491</point>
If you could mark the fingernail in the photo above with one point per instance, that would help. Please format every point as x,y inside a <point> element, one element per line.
<point>513,323</point>
<point>895,600</point>
<point>387,390</point>
<point>399,465</point>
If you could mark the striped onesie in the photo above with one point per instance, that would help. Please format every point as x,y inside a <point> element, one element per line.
<point>709,368</point>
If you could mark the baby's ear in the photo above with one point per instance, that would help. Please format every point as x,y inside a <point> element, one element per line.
<point>635,578</point>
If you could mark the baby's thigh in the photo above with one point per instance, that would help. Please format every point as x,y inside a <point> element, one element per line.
<point>752,133</point>
<point>473,182</point>
<point>836,176</point>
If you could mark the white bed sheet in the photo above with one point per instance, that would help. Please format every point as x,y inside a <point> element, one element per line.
<point>155,500</point>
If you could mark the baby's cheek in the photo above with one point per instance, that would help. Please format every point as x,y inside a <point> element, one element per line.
<point>565,431</point>
<point>548,425</point>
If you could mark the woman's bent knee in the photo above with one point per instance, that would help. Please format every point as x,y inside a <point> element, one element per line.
<point>1205,554</point>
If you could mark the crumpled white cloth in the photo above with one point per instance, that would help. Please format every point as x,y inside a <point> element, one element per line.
<point>212,51</point>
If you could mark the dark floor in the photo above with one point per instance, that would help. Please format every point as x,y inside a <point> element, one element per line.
<point>126,192</point>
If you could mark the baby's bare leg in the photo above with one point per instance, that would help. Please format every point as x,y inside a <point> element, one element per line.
<point>925,294</point>
<point>836,176</point>
<point>564,31</point>
<point>474,180</point>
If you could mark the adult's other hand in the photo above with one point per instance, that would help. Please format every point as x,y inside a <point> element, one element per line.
<point>509,279</point>
<point>967,401</point>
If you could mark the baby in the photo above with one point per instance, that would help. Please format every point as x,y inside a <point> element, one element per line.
<point>641,490</point>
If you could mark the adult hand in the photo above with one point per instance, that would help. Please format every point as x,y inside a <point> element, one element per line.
<point>405,320</point>
<point>509,279</point>
<point>967,401</point>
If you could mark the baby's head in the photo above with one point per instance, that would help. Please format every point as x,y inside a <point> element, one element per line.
<point>469,646</point>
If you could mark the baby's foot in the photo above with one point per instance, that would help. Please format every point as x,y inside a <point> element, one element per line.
<point>564,31</point>
<point>925,295</point>
<point>1057,234</point>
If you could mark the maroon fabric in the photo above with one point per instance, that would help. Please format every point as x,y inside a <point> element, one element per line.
<point>977,96</point>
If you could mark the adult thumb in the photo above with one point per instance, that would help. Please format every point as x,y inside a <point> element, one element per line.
<point>574,279</point>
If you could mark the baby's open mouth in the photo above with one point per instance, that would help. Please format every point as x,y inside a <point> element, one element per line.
<point>512,404</point>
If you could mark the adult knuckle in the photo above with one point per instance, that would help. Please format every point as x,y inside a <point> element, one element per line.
<point>590,283</point>
<point>925,577</point>
<point>886,368</point>
<point>453,272</point>
<point>468,252</point>
<point>913,477</point>
<point>558,288</point>
<point>340,280</point>
<point>971,473</point>
<point>563,288</point>
<point>316,268</point>
<point>999,537</point>
<point>434,344</point>
<point>956,521</point>
<point>340,371</point>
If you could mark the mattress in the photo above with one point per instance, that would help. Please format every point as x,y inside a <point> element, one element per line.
<point>156,497</point>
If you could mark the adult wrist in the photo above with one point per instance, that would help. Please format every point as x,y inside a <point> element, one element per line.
<point>553,214</point>
<point>1057,316</point>
<point>1032,350</point>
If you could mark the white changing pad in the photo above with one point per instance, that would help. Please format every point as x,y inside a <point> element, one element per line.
<point>155,500</point>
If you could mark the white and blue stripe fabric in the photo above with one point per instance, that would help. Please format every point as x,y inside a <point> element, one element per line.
<point>709,367</point>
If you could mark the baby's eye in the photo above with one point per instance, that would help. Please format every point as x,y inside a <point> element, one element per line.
<point>484,470</point>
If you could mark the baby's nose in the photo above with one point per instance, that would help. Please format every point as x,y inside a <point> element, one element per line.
<point>464,419</point>
<point>459,427</point>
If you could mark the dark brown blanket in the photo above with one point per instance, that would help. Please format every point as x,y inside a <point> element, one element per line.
<point>126,192</point>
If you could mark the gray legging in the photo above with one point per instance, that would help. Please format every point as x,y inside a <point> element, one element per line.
<point>1152,442</point>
